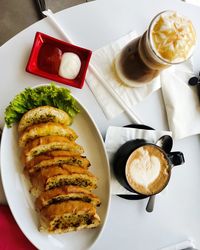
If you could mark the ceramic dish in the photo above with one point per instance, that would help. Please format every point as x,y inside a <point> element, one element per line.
<point>21,203</point>
<point>42,39</point>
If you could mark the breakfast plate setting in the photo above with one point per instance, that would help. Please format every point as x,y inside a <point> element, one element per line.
<point>75,182</point>
<point>84,124</point>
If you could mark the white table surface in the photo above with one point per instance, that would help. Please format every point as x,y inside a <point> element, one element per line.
<point>177,212</point>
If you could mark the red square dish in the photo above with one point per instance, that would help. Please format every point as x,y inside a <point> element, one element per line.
<point>60,47</point>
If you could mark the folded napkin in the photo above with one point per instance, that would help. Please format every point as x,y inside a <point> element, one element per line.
<point>195,2</point>
<point>117,136</point>
<point>179,98</point>
<point>103,61</point>
<point>11,237</point>
<point>187,244</point>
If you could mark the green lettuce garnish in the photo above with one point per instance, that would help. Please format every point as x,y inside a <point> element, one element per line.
<point>44,95</point>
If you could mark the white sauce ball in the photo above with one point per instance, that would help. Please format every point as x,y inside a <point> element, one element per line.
<point>70,65</point>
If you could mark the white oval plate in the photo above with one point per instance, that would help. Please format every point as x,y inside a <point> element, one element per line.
<point>21,203</point>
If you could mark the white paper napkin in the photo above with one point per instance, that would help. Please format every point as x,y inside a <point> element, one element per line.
<point>117,136</point>
<point>181,101</point>
<point>103,61</point>
<point>187,244</point>
<point>195,2</point>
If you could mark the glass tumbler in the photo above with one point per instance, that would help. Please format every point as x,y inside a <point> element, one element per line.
<point>170,39</point>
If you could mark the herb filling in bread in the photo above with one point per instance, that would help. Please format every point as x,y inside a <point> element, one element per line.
<point>58,172</point>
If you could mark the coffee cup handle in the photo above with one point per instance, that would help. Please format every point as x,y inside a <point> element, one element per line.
<point>176,158</point>
<point>165,142</point>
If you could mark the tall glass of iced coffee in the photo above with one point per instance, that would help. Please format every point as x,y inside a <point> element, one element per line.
<point>170,39</point>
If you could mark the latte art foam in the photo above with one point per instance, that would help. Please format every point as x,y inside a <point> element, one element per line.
<point>147,170</point>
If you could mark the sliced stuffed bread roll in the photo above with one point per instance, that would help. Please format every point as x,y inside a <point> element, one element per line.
<point>46,129</point>
<point>43,114</point>
<point>68,216</point>
<point>45,144</point>
<point>65,193</point>
<point>43,161</point>
<point>58,176</point>
<point>61,182</point>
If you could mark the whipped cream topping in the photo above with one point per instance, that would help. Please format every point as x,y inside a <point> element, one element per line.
<point>172,37</point>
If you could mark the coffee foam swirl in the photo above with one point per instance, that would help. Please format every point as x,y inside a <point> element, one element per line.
<point>172,37</point>
<point>147,170</point>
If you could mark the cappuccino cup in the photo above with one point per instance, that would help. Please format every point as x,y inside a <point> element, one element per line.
<point>145,168</point>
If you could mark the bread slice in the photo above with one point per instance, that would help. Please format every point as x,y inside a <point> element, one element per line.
<point>56,153</point>
<point>49,155</point>
<point>57,176</point>
<point>45,144</point>
<point>65,193</point>
<point>43,161</point>
<point>68,216</point>
<point>46,129</point>
<point>43,114</point>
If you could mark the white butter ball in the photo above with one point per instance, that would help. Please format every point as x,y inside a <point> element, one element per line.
<point>70,65</point>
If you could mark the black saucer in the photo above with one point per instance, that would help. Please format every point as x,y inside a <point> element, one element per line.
<point>135,196</point>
